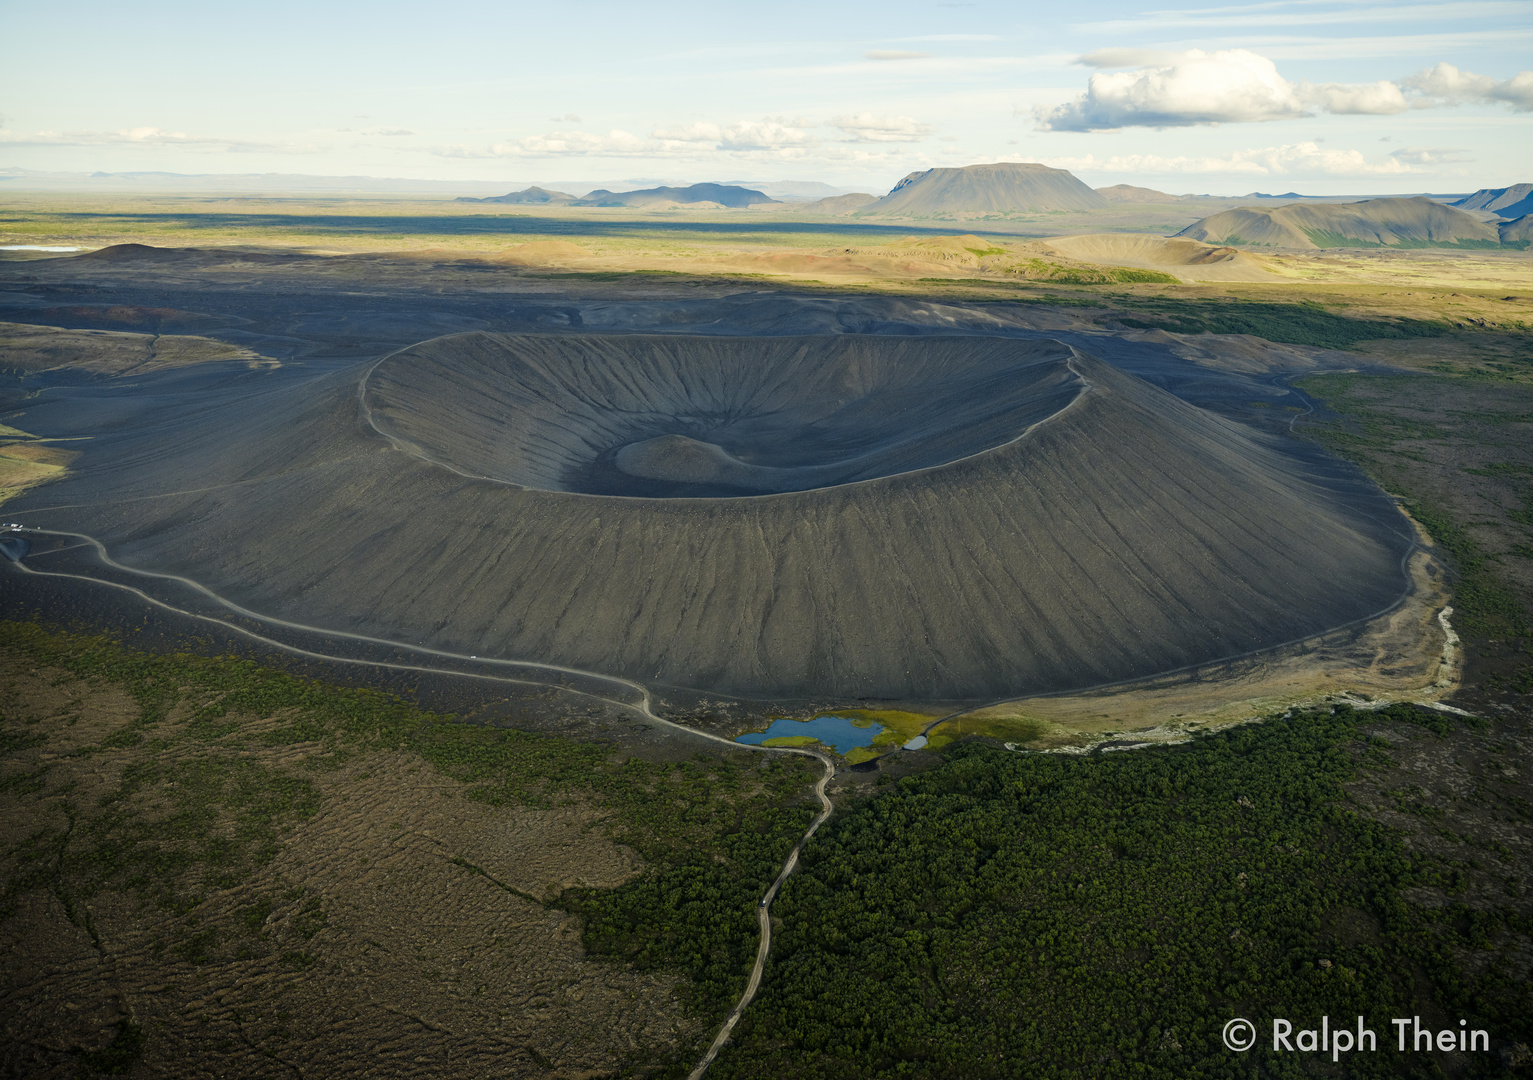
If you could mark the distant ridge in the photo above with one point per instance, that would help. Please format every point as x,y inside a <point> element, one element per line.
<point>1509,202</point>
<point>1128,193</point>
<point>1415,222</point>
<point>1517,233</point>
<point>840,204</point>
<point>1002,188</point>
<point>801,190</point>
<point>534,195</point>
<point>720,194</point>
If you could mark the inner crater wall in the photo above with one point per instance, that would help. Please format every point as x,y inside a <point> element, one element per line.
<point>693,417</point>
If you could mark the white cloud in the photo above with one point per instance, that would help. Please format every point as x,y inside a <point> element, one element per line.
<point>765,135</point>
<point>558,144</point>
<point>567,118</point>
<point>153,137</point>
<point>768,134</point>
<point>1447,85</point>
<point>1229,86</point>
<point>693,133</point>
<point>1382,98</point>
<point>895,54</point>
<point>700,141</point>
<point>1302,13</point>
<point>865,127</point>
<point>1421,155</point>
<point>1240,86</point>
<point>1127,58</point>
<point>779,138</point>
<point>1310,48</point>
<point>1307,158</point>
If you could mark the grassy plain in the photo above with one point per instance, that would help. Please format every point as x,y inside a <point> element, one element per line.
<point>902,256</point>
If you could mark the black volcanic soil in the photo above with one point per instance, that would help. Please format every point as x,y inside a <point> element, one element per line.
<point>952,518</point>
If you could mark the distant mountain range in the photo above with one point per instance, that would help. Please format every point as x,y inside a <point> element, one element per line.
<point>717,194</point>
<point>535,196</point>
<point>1414,222</point>
<point>1509,202</point>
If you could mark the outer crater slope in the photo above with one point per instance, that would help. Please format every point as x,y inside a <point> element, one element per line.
<point>951,518</point>
<point>830,517</point>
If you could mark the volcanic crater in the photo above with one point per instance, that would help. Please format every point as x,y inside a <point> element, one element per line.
<point>709,418</point>
<point>858,516</point>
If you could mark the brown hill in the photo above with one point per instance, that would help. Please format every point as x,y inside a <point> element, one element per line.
<point>1128,193</point>
<point>1187,259</point>
<point>1417,222</point>
<point>839,204</point>
<point>1003,188</point>
<point>527,196</point>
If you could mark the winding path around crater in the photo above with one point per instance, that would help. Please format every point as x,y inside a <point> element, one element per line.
<point>642,706</point>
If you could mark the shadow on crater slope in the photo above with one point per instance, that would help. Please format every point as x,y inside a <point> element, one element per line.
<point>941,518</point>
<point>701,418</point>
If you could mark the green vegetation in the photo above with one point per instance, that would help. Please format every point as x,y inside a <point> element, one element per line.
<point>1381,427</point>
<point>1013,915</point>
<point>1059,273</point>
<point>192,813</point>
<point>1128,275</point>
<point>1305,323</point>
<point>1017,729</point>
<point>898,726</point>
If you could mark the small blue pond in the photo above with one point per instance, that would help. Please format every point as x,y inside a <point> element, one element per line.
<point>837,732</point>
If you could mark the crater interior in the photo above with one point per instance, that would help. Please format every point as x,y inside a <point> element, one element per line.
<point>712,417</point>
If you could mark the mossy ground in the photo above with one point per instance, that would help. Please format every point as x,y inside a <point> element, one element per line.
<point>181,821</point>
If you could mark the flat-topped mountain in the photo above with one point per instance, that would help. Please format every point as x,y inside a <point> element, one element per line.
<point>1415,222</point>
<point>718,194</point>
<point>1006,187</point>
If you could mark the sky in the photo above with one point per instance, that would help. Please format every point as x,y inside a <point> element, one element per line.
<point>1317,96</point>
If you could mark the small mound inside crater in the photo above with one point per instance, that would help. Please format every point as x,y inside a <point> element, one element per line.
<point>682,460</point>
<point>707,417</point>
